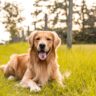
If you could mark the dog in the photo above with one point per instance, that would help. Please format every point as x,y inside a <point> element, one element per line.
<point>39,65</point>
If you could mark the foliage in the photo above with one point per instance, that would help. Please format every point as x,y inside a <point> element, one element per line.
<point>80,61</point>
<point>12,19</point>
<point>54,9</point>
<point>88,17</point>
<point>84,19</point>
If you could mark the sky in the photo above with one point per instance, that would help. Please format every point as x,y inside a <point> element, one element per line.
<point>26,5</point>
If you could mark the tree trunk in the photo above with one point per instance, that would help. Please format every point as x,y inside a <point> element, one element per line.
<point>23,36</point>
<point>46,22</point>
<point>69,33</point>
<point>28,31</point>
<point>83,19</point>
<point>35,25</point>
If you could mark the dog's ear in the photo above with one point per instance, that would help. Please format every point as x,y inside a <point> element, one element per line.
<point>31,38</point>
<point>57,40</point>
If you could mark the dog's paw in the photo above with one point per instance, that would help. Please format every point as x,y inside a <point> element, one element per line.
<point>35,89</point>
<point>11,78</point>
<point>21,85</point>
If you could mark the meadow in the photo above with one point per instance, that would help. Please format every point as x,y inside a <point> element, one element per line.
<point>80,60</point>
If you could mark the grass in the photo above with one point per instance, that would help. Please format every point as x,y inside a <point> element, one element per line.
<point>80,61</point>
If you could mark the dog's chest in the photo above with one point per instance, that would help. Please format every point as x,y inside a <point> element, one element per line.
<point>42,71</point>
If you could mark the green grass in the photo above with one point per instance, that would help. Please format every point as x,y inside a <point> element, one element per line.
<point>80,61</point>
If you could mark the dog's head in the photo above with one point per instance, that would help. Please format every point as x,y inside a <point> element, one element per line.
<point>43,42</point>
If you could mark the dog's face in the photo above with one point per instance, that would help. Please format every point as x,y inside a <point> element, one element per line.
<point>43,42</point>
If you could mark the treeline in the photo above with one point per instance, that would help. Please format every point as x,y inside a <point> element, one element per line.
<point>52,15</point>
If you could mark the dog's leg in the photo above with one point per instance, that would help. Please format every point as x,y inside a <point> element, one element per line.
<point>56,75</point>
<point>27,82</point>
<point>8,68</point>
<point>59,78</point>
<point>8,71</point>
<point>33,86</point>
<point>2,67</point>
<point>5,69</point>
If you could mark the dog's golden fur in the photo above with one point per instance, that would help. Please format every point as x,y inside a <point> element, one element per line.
<point>29,68</point>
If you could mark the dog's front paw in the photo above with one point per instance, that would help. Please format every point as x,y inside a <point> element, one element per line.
<point>21,84</point>
<point>11,78</point>
<point>34,87</point>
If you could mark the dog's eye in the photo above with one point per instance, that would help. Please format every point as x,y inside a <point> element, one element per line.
<point>38,38</point>
<point>48,39</point>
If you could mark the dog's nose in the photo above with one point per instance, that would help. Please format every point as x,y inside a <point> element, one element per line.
<point>42,46</point>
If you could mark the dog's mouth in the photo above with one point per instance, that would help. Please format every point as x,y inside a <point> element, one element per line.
<point>42,54</point>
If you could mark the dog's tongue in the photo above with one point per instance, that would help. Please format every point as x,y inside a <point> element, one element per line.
<point>42,56</point>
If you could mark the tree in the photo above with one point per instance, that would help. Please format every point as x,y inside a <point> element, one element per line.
<point>59,11</point>
<point>56,11</point>
<point>11,19</point>
<point>35,13</point>
<point>46,22</point>
<point>69,33</point>
<point>83,10</point>
<point>88,18</point>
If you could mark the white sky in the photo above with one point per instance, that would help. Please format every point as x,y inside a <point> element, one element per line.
<point>26,5</point>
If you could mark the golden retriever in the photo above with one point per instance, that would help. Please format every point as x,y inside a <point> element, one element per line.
<point>39,65</point>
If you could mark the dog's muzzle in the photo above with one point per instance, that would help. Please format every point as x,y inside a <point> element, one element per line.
<point>42,54</point>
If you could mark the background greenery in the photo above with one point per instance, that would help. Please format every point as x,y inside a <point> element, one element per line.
<point>83,20</point>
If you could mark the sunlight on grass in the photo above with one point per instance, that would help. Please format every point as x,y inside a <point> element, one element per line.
<point>80,61</point>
